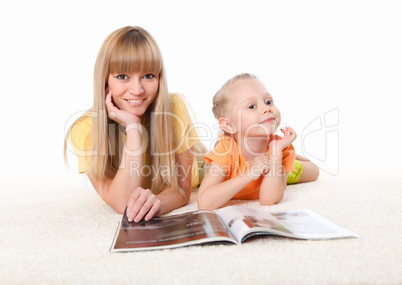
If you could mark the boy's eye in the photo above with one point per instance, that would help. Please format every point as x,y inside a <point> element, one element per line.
<point>269,102</point>
<point>252,106</point>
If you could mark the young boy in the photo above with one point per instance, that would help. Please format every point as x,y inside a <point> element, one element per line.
<point>250,161</point>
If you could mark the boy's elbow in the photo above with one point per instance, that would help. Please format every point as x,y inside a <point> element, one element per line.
<point>202,203</point>
<point>205,205</point>
<point>270,201</point>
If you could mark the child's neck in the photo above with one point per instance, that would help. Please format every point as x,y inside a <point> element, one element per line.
<point>252,146</point>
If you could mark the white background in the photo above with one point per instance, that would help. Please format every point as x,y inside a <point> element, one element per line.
<point>338,57</point>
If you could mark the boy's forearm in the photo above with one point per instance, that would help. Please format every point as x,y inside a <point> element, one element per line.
<point>215,196</point>
<point>273,184</point>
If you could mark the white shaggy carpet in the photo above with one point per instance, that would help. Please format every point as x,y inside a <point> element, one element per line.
<point>62,235</point>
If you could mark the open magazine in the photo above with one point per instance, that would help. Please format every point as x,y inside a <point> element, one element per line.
<point>233,224</point>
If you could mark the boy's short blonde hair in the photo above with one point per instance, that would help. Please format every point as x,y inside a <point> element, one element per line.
<point>220,99</point>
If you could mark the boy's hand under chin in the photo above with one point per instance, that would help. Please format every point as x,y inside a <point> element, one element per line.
<point>288,138</point>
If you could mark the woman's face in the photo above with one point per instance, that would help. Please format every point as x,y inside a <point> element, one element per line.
<point>133,92</point>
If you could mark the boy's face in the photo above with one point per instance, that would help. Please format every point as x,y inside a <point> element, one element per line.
<point>252,112</point>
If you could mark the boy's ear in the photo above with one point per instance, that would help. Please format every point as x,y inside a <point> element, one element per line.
<point>227,126</point>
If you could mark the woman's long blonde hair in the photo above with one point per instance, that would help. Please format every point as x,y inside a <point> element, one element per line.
<point>127,50</point>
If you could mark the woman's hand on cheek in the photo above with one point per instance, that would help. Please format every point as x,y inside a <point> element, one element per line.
<point>117,115</point>
<point>143,204</point>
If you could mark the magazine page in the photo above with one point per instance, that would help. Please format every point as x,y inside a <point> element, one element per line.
<point>307,224</point>
<point>170,231</point>
<point>242,221</point>
<point>303,224</point>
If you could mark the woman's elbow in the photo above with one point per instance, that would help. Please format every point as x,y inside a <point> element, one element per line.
<point>118,206</point>
<point>185,199</point>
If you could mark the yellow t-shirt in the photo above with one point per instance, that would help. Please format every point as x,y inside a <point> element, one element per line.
<point>185,134</point>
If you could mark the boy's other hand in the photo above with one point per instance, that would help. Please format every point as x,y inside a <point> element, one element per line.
<point>259,166</point>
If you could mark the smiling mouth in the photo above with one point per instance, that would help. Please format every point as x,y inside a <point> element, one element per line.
<point>269,120</point>
<point>135,102</point>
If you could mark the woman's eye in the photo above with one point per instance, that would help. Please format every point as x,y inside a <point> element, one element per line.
<point>252,106</point>
<point>149,76</point>
<point>122,76</point>
<point>269,102</point>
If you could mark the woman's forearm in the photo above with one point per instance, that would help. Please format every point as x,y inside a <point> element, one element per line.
<point>129,176</point>
<point>171,200</point>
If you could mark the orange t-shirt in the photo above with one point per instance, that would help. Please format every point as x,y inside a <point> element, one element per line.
<point>227,154</point>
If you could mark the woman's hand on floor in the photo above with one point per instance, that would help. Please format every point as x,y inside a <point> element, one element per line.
<point>143,204</point>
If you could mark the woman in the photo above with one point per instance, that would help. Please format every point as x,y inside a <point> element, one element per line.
<point>136,144</point>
